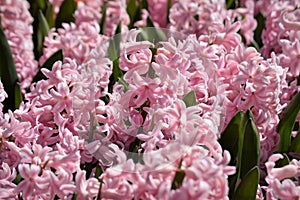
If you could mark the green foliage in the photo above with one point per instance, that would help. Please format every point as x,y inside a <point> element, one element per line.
<point>258,31</point>
<point>134,10</point>
<point>178,178</point>
<point>18,95</point>
<point>190,99</point>
<point>251,146</point>
<point>241,139</point>
<point>286,124</point>
<point>229,137</point>
<point>66,13</point>
<point>9,75</point>
<point>248,186</point>
<point>282,162</point>
<point>231,4</point>
<point>35,7</point>
<point>102,22</point>
<point>295,145</point>
<point>114,53</point>
<point>42,31</point>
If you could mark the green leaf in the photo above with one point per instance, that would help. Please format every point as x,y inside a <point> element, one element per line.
<point>229,137</point>
<point>36,5</point>
<point>44,27</point>
<point>295,145</point>
<point>114,44</point>
<point>178,179</point>
<point>242,129</point>
<point>49,15</point>
<point>251,146</point>
<point>190,99</point>
<point>75,195</point>
<point>48,65</point>
<point>168,10</point>
<point>114,52</point>
<point>42,32</point>
<point>65,13</point>
<point>18,179</point>
<point>8,73</point>
<point>151,72</point>
<point>18,95</point>
<point>240,138</point>
<point>98,172</point>
<point>287,122</point>
<point>282,162</point>
<point>258,31</point>
<point>230,4</point>
<point>248,187</point>
<point>232,179</point>
<point>153,34</point>
<point>102,22</point>
<point>124,83</point>
<point>131,10</point>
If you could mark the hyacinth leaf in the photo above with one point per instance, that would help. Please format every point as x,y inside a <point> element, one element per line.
<point>102,21</point>
<point>295,145</point>
<point>190,99</point>
<point>49,15</point>
<point>258,31</point>
<point>8,73</point>
<point>131,10</point>
<point>117,72</point>
<point>74,196</point>
<point>124,83</point>
<point>18,179</point>
<point>242,129</point>
<point>229,137</point>
<point>114,44</point>
<point>232,179</point>
<point>36,5</point>
<point>151,72</point>
<point>114,53</point>
<point>178,179</point>
<point>248,187</point>
<point>230,4</point>
<point>153,34</point>
<point>251,146</point>
<point>65,13</point>
<point>282,162</point>
<point>44,26</point>
<point>286,123</point>
<point>18,95</point>
<point>48,65</point>
<point>98,172</point>
<point>168,10</point>
<point>42,32</point>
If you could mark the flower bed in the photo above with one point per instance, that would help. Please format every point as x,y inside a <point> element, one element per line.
<point>149,99</point>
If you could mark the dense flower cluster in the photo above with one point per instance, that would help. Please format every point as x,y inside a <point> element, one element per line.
<point>81,131</point>
<point>16,22</point>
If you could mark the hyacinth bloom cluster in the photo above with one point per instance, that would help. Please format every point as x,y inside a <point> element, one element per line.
<point>132,116</point>
<point>16,21</point>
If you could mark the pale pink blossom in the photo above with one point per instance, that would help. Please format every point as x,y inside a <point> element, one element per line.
<point>279,185</point>
<point>158,11</point>
<point>33,184</point>
<point>17,25</point>
<point>115,14</point>
<point>7,175</point>
<point>86,188</point>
